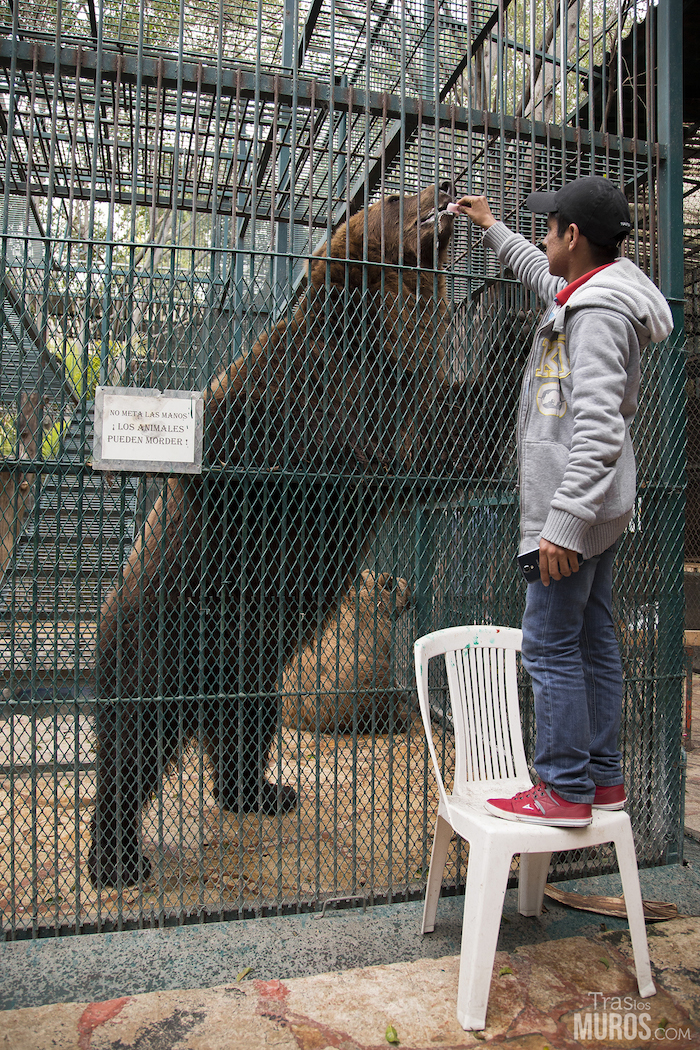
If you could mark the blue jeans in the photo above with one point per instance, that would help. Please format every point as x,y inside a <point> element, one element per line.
<point>571,653</point>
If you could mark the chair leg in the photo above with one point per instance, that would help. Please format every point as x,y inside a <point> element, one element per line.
<point>629,876</point>
<point>487,878</point>
<point>441,844</point>
<point>534,868</point>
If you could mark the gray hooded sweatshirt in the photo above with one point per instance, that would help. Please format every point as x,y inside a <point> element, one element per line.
<point>579,396</point>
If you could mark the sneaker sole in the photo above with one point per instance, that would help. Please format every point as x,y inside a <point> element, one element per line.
<point>609,806</point>
<point>570,822</point>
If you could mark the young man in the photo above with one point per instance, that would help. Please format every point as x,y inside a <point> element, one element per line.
<point>577,483</point>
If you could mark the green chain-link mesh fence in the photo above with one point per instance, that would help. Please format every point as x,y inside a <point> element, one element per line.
<point>165,639</point>
<point>692,530</point>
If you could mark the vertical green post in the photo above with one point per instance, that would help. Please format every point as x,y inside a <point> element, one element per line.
<point>671,481</point>
<point>282,236</point>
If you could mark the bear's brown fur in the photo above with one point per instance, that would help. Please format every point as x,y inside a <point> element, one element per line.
<point>341,680</point>
<point>233,571</point>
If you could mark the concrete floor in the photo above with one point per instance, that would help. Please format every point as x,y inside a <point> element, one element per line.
<point>354,980</point>
<point>559,994</point>
<point>285,983</point>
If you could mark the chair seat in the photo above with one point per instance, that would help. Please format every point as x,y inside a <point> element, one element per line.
<point>489,762</point>
<point>468,815</point>
<point>474,794</point>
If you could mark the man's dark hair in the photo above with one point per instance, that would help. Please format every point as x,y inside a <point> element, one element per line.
<point>601,253</point>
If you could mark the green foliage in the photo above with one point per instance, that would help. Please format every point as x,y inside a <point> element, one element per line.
<point>8,434</point>
<point>51,443</point>
<point>82,373</point>
<point>81,370</point>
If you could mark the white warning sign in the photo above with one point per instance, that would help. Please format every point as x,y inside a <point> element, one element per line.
<point>148,430</point>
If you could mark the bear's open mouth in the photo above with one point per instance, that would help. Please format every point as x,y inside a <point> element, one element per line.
<point>442,213</point>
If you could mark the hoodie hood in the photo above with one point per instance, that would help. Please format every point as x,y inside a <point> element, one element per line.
<point>624,288</point>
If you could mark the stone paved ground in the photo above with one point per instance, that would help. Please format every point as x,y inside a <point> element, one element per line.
<point>692,783</point>
<point>556,995</point>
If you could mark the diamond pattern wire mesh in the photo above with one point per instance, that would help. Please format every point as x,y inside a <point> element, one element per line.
<point>692,390</point>
<point>161,639</point>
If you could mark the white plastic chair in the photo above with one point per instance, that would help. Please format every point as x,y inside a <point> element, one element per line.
<point>490,763</point>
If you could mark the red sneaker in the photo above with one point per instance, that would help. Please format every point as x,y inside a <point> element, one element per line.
<point>609,797</point>
<point>541,805</point>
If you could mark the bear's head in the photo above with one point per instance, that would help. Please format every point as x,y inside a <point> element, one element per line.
<point>412,230</point>
<point>379,589</point>
<point>427,223</point>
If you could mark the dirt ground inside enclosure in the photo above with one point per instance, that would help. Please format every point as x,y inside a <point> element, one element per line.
<point>364,823</point>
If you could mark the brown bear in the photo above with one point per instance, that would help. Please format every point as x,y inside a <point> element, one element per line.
<point>307,439</point>
<point>338,679</point>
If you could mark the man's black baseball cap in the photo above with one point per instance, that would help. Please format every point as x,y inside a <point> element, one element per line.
<point>599,208</point>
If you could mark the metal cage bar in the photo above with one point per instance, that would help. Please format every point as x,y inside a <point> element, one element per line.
<point>181,188</point>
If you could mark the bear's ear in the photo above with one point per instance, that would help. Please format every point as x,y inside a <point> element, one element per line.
<point>392,198</point>
<point>403,593</point>
<point>448,187</point>
<point>366,586</point>
<point>386,583</point>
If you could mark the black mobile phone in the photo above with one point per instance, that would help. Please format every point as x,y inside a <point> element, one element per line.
<point>530,564</point>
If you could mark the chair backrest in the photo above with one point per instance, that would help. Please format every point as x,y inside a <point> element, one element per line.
<point>480,663</point>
